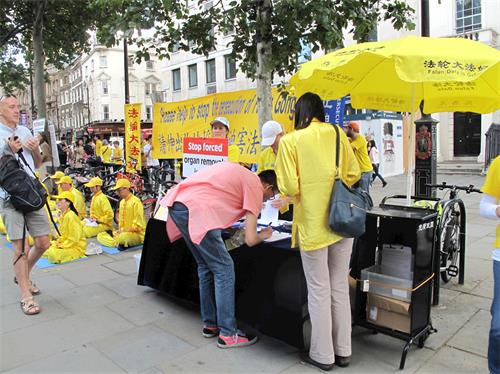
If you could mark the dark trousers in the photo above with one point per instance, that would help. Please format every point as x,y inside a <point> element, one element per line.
<point>377,174</point>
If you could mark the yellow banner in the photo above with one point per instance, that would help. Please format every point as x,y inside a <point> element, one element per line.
<point>133,137</point>
<point>191,118</point>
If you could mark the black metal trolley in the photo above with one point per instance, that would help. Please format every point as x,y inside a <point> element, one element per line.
<point>409,227</point>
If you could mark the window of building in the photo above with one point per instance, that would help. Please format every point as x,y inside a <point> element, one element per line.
<point>468,15</point>
<point>105,111</point>
<point>176,79</point>
<point>103,61</point>
<point>91,65</point>
<point>149,88</point>
<point>210,67</point>
<point>150,65</point>
<point>230,67</point>
<point>105,88</point>
<point>193,75</point>
<point>149,112</point>
<point>305,51</point>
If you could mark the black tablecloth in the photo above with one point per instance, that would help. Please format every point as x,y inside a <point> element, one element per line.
<point>271,292</point>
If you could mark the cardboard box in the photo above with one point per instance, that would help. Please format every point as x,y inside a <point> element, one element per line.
<point>387,312</point>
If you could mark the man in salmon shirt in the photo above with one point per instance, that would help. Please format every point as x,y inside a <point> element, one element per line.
<point>199,208</point>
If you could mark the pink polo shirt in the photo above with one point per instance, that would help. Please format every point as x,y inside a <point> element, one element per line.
<point>216,197</point>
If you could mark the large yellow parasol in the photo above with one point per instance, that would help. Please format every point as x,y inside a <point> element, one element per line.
<point>448,74</point>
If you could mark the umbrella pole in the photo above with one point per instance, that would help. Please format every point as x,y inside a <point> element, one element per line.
<point>411,145</point>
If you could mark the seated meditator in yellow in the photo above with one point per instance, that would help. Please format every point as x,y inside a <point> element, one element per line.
<point>101,213</point>
<point>66,184</point>
<point>72,243</point>
<point>131,224</point>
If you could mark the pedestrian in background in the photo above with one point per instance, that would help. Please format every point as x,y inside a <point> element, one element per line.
<point>305,168</point>
<point>490,208</point>
<point>375,159</point>
<point>358,144</point>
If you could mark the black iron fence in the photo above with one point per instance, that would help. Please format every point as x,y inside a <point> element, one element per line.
<point>492,144</point>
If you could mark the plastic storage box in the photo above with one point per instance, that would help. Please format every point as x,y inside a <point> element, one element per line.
<point>378,280</point>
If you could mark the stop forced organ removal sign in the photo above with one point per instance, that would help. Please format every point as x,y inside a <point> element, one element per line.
<point>202,152</point>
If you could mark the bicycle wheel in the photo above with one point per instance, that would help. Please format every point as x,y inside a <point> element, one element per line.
<point>449,230</point>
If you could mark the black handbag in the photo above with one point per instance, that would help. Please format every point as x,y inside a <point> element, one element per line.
<point>348,206</point>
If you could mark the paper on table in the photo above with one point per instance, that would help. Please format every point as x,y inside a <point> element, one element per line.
<point>90,223</point>
<point>269,214</point>
<point>278,236</point>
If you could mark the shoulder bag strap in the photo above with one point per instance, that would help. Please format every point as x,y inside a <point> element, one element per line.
<point>337,151</point>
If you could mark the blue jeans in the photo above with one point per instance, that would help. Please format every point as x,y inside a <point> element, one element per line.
<point>215,274</point>
<point>364,182</point>
<point>494,343</point>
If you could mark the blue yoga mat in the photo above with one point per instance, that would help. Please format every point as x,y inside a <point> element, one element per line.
<point>44,263</point>
<point>114,250</point>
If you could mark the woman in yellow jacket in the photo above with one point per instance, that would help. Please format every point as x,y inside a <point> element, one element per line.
<point>101,212</point>
<point>106,152</point>
<point>131,224</point>
<point>66,184</point>
<point>220,129</point>
<point>72,243</point>
<point>305,169</point>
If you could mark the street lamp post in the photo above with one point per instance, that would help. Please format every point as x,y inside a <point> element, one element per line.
<point>125,69</point>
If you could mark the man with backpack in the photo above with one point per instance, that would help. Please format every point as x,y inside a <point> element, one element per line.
<point>13,139</point>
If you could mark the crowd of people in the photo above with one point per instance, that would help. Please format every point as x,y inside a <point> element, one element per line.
<point>296,171</point>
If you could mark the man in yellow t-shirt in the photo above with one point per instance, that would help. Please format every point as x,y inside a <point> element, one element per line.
<point>98,145</point>
<point>220,129</point>
<point>490,208</point>
<point>358,144</point>
<point>117,153</point>
<point>131,224</point>
<point>101,213</point>
<point>106,152</point>
<point>66,184</point>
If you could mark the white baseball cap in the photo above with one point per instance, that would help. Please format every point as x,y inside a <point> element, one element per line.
<point>222,120</point>
<point>270,130</point>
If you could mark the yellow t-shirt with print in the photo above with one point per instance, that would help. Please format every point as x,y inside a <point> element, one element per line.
<point>492,187</point>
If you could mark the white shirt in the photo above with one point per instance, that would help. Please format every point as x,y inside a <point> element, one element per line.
<point>24,134</point>
<point>374,156</point>
<point>150,161</point>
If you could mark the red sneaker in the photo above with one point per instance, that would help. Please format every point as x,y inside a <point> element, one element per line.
<point>239,339</point>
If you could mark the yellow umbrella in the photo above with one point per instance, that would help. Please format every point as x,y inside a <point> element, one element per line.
<point>448,74</point>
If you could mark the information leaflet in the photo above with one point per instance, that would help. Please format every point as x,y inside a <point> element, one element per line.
<point>202,152</point>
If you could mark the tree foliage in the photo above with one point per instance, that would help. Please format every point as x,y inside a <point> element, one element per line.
<point>192,25</point>
<point>65,24</point>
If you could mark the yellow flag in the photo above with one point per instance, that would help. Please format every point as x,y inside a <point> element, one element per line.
<point>133,137</point>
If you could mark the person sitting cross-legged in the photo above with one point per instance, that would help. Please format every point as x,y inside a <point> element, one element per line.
<point>72,243</point>
<point>101,213</point>
<point>66,184</point>
<point>131,224</point>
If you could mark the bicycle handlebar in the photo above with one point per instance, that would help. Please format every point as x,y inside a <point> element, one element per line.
<point>468,189</point>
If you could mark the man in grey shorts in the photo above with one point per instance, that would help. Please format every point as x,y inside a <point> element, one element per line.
<point>12,139</point>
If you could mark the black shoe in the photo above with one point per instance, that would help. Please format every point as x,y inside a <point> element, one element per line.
<point>384,184</point>
<point>210,332</point>
<point>304,356</point>
<point>121,247</point>
<point>342,361</point>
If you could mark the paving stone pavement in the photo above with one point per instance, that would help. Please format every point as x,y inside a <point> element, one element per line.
<point>96,319</point>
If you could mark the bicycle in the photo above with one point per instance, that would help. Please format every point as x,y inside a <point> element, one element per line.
<point>450,234</point>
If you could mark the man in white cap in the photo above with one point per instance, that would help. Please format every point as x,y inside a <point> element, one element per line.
<point>271,135</point>
<point>220,129</point>
<point>272,132</point>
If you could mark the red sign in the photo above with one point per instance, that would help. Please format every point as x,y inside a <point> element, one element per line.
<point>205,146</point>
